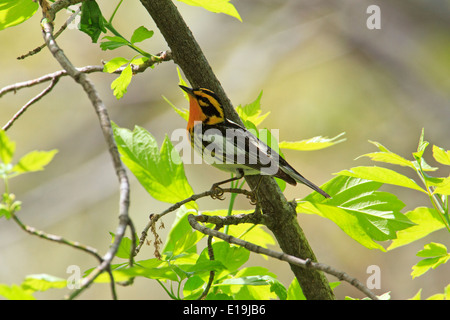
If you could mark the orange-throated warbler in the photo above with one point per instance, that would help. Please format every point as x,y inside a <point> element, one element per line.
<point>230,147</point>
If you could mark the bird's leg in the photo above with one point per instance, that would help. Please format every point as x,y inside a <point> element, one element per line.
<point>217,192</point>
<point>253,198</point>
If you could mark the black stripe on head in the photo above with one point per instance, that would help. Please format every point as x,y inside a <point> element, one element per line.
<point>209,102</point>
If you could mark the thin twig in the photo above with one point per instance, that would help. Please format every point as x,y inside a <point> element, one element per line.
<point>193,221</point>
<point>57,34</point>
<point>212,272</point>
<point>29,103</point>
<point>105,125</point>
<point>158,58</point>
<point>56,238</point>
<point>211,193</point>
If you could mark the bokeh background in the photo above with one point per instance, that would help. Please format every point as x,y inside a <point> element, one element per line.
<point>322,72</point>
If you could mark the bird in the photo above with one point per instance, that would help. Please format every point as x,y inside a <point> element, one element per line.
<point>230,147</point>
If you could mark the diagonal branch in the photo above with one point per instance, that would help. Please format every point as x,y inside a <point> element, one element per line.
<point>307,264</point>
<point>57,34</point>
<point>155,217</point>
<point>29,103</point>
<point>73,244</point>
<point>189,56</point>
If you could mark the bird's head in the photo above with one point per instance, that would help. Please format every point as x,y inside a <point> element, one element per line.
<point>204,106</point>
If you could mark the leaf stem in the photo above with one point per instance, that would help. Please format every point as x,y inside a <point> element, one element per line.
<point>114,13</point>
<point>443,214</point>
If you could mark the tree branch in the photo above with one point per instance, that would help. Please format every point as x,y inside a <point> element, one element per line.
<point>124,219</point>
<point>155,217</point>
<point>160,57</point>
<point>57,34</point>
<point>189,56</point>
<point>306,264</point>
<point>29,103</point>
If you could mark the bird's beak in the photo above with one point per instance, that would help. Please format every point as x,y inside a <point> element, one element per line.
<point>189,91</point>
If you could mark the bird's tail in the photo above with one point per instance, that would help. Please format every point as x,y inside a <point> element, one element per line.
<point>291,172</point>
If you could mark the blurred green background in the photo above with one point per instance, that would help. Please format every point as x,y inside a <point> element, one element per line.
<point>322,72</point>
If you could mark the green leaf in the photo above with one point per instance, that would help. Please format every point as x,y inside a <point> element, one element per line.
<point>246,231</point>
<point>232,257</point>
<point>252,112</point>
<point>141,34</point>
<point>160,172</point>
<point>436,254</point>
<point>365,214</point>
<point>162,272</point>
<point>295,292</point>
<point>113,43</point>
<point>178,231</point>
<point>315,143</point>
<point>432,249</point>
<point>218,6</point>
<point>114,64</point>
<point>255,283</point>
<point>387,156</point>
<point>441,156</point>
<point>421,146</point>
<point>34,161</point>
<point>120,85</point>
<point>92,20</point>
<point>443,187</point>
<point>184,113</point>
<point>15,292</point>
<point>7,148</point>
<point>426,221</point>
<point>43,282</point>
<point>14,12</point>
<point>382,175</point>
<point>125,246</point>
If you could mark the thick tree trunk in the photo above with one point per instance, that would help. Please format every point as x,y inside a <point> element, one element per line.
<point>189,56</point>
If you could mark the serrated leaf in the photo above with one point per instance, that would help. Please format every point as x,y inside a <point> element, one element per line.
<point>113,43</point>
<point>437,255</point>
<point>15,12</point>
<point>426,221</point>
<point>160,172</point>
<point>252,112</point>
<point>443,187</point>
<point>432,249</point>
<point>387,156</point>
<point>232,257</point>
<point>365,214</point>
<point>141,34</point>
<point>34,161</point>
<point>315,143</point>
<point>180,227</point>
<point>441,156</point>
<point>114,64</point>
<point>218,6</point>
<point>7,148</point>
<point>120,85</point>
<point>382,175</point>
